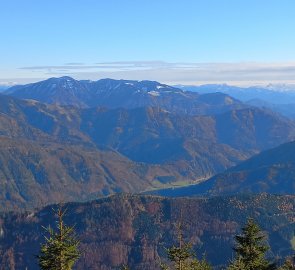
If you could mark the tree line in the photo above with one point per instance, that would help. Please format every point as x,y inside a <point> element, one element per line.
<point>60,251</point>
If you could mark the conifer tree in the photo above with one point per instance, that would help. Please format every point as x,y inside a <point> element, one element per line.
<point>237,264</point>
<point>182,256</point>
<point>60,250</point>
<point>251,249</point>
<point>200,264</point>
<point>179,255</point>
<point>288,264</point>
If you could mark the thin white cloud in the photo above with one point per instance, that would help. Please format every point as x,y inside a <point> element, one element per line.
<point>247,73</point>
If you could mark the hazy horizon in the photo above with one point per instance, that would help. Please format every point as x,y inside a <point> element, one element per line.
<point>244,84</point>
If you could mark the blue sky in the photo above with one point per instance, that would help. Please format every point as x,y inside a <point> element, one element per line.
<point>175,41</point>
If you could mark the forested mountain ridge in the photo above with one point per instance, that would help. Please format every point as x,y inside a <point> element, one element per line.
<point>136,229</point>
<point>35,174</point>
<point>250,130</point>
<point>159,148</point>
<point>271,171</point>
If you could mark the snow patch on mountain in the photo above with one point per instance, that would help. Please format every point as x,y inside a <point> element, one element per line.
<point>154,93</point>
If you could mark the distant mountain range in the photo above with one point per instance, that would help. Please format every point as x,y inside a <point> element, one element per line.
<point>146,136</point>
<point>284,109</point>
<point>279,98</point>
<point>275,94</point>
<point>202,100</point>
<point>124,94</point>
<point>135,230</point>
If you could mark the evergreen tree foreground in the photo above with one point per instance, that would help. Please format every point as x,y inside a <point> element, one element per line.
<point>60,250</point>
<point>251,249</point>
<point>183,257</point>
